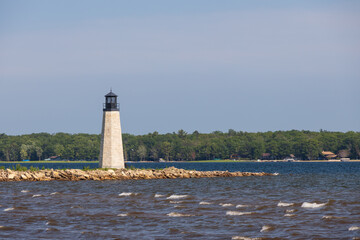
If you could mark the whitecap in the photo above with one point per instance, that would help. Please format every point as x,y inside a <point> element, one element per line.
<point>179,206</point>
<point>290,210</point>
<point>204,203</point>
<point>176,202</point>
<point>275,174</point>
<point>226,204</point>
<point>175,214</point>
<point>36,195</point>
<point>289,215</point>
<point>123,194</point>
<point>243,238</point>
<point>77,206</point>
<point>284,204</point>
<point>174,196</point>
<point>8,209</point>
<point>123,215</point>
<point>159,195</point>
<point>24,191</point>
<point>312,205</point>
<point>51,229</point>
<point>331,217</point>
<point>241,206</point>
<point>236,213</point>
<point>354,228</point>
<point>54,193</point>
<point>266,228</point>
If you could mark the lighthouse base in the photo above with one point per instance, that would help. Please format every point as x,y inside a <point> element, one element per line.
<point>111,149</point>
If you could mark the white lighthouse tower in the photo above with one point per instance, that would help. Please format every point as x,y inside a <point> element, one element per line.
<point>111,149</point>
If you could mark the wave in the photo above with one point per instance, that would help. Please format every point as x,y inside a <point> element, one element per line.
<point>313,205</point>
<point>37,195</point>
<point>289,215</point>
<point>354,228</point>
<point>159,195</point>
<point>236,213</point>
<point>174,196</point>
<point>175,214</point>
<point>284,204</point>
<point>8,209</point>
<point>204,203</point>
<point>24,191</point>
<point>244,238</point>
<point>331,217</point>
<point>51,229</point>
<point>123,215</point>
<point>179,206</point>
<point>124,194</point>
<point>54,193</point>
<point>266,228</point>
<point>241,206</point>
<point>290,210</point>
<point>77,206</point>
<point>51,223</point>
<point>226,204</point>
<point>176,202</point>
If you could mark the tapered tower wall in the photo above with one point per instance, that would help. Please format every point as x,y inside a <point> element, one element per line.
<point>111,150</point>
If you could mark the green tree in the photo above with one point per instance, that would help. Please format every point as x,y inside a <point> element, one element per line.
<point>39,151</point>
<point>24,151</point>
<point>166,150</point>
<point>59,150</point>
<point>154,153</point>
<point>141,152</point>
<point>181,133</point>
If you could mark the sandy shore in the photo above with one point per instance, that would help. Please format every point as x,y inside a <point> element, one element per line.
<point>116,174</point>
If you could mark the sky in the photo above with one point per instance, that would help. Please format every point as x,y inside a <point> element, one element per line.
<point>202,65</point>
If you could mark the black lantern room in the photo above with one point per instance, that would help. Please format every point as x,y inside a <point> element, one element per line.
<point>111,102</point>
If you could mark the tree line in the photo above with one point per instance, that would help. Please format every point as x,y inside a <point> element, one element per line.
<point>183,146</point>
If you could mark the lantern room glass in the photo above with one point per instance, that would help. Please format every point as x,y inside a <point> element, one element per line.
<point>111,103</point>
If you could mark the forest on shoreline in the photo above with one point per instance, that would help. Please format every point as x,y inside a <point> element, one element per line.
<point>183,146</point>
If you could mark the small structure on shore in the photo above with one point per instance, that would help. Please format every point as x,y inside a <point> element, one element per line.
<point>53,158</point>
<point>111,149</point>
<point>329,155</point>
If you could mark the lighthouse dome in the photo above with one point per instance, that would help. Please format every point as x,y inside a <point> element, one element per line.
<point>111,94</point>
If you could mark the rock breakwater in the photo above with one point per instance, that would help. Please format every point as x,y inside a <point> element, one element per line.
<point>116,174</point>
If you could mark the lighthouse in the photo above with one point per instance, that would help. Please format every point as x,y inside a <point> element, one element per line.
<point>111,149</point>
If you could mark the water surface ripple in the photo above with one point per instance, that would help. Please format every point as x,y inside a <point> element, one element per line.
<point>300,203</point>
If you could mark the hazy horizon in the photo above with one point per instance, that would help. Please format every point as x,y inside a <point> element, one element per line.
<point>189,133</point>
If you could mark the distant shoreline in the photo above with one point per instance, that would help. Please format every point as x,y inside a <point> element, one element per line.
<point>263,161</point>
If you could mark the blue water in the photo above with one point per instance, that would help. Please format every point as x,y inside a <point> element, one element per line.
<point>279,167</point>
<point>306,201</point>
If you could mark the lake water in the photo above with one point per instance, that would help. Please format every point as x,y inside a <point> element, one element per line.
<point>306,201</point>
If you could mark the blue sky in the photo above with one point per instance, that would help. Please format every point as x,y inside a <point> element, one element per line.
<point>193,65</point>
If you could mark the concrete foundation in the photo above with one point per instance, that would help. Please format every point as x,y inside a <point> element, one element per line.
<point>111,149</point>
